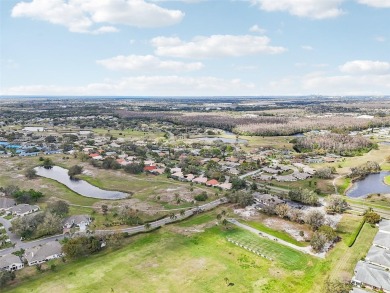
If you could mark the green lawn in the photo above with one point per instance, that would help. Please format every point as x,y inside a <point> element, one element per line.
<point>155,263</point>
<point>387,180</point>
<point>167,261</point>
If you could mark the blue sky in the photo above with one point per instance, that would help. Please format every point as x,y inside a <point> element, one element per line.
<point>195,47</point>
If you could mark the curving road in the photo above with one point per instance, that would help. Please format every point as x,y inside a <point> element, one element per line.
<point>131,230</point>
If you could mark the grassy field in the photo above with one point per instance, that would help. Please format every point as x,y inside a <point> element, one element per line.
<point>155,262</point>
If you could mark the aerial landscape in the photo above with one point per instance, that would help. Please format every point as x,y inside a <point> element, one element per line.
<point>195,146</point>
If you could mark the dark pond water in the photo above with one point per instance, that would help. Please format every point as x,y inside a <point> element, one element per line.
<point>79,186</point>
<point>373,183</point>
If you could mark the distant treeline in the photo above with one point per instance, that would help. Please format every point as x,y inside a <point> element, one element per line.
<point>259,125</point>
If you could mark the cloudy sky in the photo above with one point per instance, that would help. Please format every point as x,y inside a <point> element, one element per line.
<point>195,47</point>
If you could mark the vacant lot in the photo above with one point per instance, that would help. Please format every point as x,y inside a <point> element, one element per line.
<point>165,261</point>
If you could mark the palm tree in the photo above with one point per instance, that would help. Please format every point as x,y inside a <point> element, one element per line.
<point>148,226</point>
<point>182,212</point>
<point>223,213</point>
<point>225,222</point>
<point>219,217</point>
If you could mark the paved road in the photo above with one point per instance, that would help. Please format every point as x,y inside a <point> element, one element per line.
<point>167,220</point>
<point>131,230</point>
<point>306,249</point>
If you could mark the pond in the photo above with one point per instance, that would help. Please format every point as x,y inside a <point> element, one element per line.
<point>227,140</point>
<point>79,186</point>
<point>372,184</point>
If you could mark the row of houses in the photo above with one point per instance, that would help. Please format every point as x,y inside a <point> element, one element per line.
<point>32,256</point>
<point>374,271</point>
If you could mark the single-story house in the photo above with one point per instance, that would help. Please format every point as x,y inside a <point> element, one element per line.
<point>42,253</point>
<point>149,168</point>
<point>21,210</point>
<point>10,262</point>
<point>384,226</point>
<point>212,182</point>
<point>358,290</point>
<point>382,239</point>
<point>225,185</point>
<point>285,178</point>
<point>270,170</point>
<point>265,199</point>
<point>6,203</point>
<point>200,179</point>
<point>371,276</point>
<point>81,221</point>
<point>301,176</point>
<point>379,256</point>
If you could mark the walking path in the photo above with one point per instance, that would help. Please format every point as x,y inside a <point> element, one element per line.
<point>306,249</point>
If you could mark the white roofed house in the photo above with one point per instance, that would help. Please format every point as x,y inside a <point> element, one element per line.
<point>379,256</point>
<point>22,210</point>
<point>6,203</point>
<point>43,253</point>
<point>80,221</point>
<point>371,276</point>
<point>10,262</point>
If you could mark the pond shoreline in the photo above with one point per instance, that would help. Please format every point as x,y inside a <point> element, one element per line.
<point>80,187</point>
<point>371,184</point>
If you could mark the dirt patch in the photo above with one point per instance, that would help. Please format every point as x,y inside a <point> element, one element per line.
<point>132,203</point>
<point>188,231</point>
<point>176,194</point>
<point>293,229</point>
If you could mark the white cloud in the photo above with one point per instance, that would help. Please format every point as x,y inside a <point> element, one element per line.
<point>347,84</point>
<point>82,16</point>
<point>307,48</point>
<point>365,67</point>
<point>316,9</point>
<point>376,3</point>
<point>145,85</point>
<point>256,29</point>
<point>214,46</point>
<point>147,63</point>
<point>380,39</point>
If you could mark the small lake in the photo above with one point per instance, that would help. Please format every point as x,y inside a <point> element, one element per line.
<point>79,186</point>
<point>373,183</point>
<point>227,140</point>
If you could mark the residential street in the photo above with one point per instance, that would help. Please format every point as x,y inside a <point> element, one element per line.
<point>131,230</point>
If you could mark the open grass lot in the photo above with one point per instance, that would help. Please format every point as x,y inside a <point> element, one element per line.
<point>344,258</point>
<point>280,234</point>
<point>156,262</point>
<point>323,185</point>
<point>167,261</point>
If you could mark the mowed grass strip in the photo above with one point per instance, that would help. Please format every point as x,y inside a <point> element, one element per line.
<point>286,256</point>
